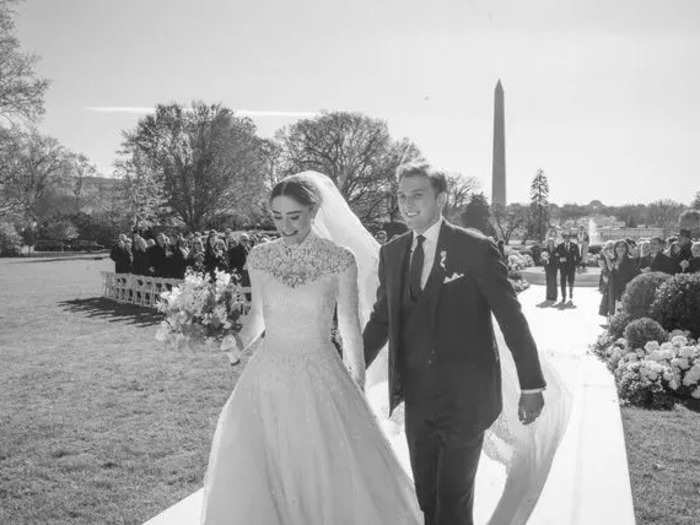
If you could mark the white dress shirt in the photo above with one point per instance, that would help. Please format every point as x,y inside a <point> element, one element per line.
<point>429,248</point>
<point>429,251</point>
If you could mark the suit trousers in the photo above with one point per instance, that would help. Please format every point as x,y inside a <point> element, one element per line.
<point>444,459</point>
<point>567,275</point>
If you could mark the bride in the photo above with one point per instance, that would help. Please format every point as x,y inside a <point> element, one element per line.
<point>297,442</point>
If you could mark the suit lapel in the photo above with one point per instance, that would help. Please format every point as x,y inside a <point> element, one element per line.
<point>397,262</point>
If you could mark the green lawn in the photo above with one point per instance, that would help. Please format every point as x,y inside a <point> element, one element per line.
<point>100,424</point>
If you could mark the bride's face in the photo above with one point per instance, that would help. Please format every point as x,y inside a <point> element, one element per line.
<point>292,219</point>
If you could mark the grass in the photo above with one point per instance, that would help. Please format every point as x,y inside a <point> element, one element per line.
<point>100,424</point>
<point>663,450</point>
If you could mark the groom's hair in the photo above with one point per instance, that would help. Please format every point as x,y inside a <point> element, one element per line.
<point>422,169</point>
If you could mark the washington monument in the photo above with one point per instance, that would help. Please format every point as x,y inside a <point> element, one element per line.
<point>498,174</point>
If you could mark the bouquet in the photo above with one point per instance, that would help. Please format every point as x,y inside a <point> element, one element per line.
<point>201,312</point>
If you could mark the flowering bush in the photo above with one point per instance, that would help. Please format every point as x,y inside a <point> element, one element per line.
<point>677,303</point>
<point>657,374</point>
<point>640,331</point>
<point>519,261</point>
<point>641,292</point>
<point>200,311</point>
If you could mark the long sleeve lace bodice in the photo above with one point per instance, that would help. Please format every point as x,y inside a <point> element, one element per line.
<point>295,290</point>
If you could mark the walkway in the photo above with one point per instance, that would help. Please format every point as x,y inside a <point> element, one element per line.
<point>589,479</point>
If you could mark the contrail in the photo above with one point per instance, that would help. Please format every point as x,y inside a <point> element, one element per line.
<point>136,110</point>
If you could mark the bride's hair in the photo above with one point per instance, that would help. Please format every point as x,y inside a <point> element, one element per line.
<point>298,188</point>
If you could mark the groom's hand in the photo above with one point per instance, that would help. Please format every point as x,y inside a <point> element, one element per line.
<point>530,407</point>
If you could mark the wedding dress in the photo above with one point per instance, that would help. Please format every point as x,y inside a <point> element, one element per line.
<point>296,442</point>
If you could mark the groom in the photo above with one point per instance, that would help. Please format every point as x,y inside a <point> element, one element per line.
<point>438,285</point>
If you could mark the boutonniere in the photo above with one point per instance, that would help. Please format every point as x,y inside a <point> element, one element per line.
<point>443,260</point>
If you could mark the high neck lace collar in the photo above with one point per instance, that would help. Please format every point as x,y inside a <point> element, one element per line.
<point>308,241</point>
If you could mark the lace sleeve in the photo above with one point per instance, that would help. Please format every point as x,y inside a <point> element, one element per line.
<point>349,319</point>
<point>253,323</point>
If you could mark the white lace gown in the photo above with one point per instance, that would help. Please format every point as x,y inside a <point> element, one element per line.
<point>296,442</point>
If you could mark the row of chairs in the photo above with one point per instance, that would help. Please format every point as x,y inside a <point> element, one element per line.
<point>142,290</point>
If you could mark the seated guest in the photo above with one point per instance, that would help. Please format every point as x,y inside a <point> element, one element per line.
<point>121,255</point>
<point>140,265</point>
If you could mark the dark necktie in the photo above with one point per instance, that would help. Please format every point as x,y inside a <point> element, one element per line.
<point>416,269</point>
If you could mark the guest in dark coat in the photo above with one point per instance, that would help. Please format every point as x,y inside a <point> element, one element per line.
<point>121,256</point>
<point>178,258</point>
<point>237,256</point>
<point>196,255</point>
<point>622,271</point>
<point>141,263</point>
<point>658,260</point>
<point>606,254</point>
<point>695,261</point>
<point>217,259</point>
<point>549,258</point>
<point>157,254</point>
<point>568,257</point>
<point>685,255</point>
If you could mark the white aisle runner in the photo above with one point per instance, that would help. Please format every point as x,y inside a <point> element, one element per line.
<point>589,479</point>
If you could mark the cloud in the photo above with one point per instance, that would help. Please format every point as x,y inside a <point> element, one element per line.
<point>136,110</point>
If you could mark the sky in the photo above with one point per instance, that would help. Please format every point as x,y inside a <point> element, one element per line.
<point>603,96</point>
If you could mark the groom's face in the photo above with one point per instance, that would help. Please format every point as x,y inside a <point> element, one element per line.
<point>419,203</point>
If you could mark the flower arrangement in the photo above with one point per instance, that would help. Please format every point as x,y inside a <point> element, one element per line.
<point>201,312</point>
<point>657,374</point>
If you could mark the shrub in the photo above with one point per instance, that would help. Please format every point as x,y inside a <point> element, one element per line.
<point>640,331</point>
<point>677,303</point>
<point>10,240</point>
<point>618,323</point>
<point>641,292</point>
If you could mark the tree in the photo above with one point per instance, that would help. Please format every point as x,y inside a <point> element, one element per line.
<point>696,202</point>
<point>476,214</point>
<point>539,206</point>
<point>356,152</point>
<point>664,214</point>
<point>690,220</point>
<point>21,91</point>
<point>459,190</point>
<point>81,169</point>
<point>509,219</point>
<point>206,161</point>
<point>31,167</point>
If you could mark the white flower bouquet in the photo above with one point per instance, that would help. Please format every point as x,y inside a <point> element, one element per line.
<point>202,313</point>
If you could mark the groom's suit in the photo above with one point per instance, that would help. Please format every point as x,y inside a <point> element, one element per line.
<point>443,359</point>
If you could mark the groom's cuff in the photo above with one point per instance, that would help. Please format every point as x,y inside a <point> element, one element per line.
<point>532,391</point>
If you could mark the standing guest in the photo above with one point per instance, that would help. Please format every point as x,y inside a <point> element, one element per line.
<point>607,307</point>
<point>157,254</point>
<point>567,257</point>
<point>178,258</point>
<point>659,260</point>
<point>584,241</point>
<point>644,260</point>
<point>196,255</point>
<point>218,259</point>
<point>622,270</point>
<point>674,252</point>
<point>502,250</point>
<point>549,258</point>
<point>141,264</point>
<point>237,255</point>
<point>685,255</point>
<point>669,245</point>
<point>120,255</point>
<point>695,261</point>
<point>381,237</point>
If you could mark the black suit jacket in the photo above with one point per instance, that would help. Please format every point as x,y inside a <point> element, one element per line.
<point>460,320</point>
<point>571,256</point>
